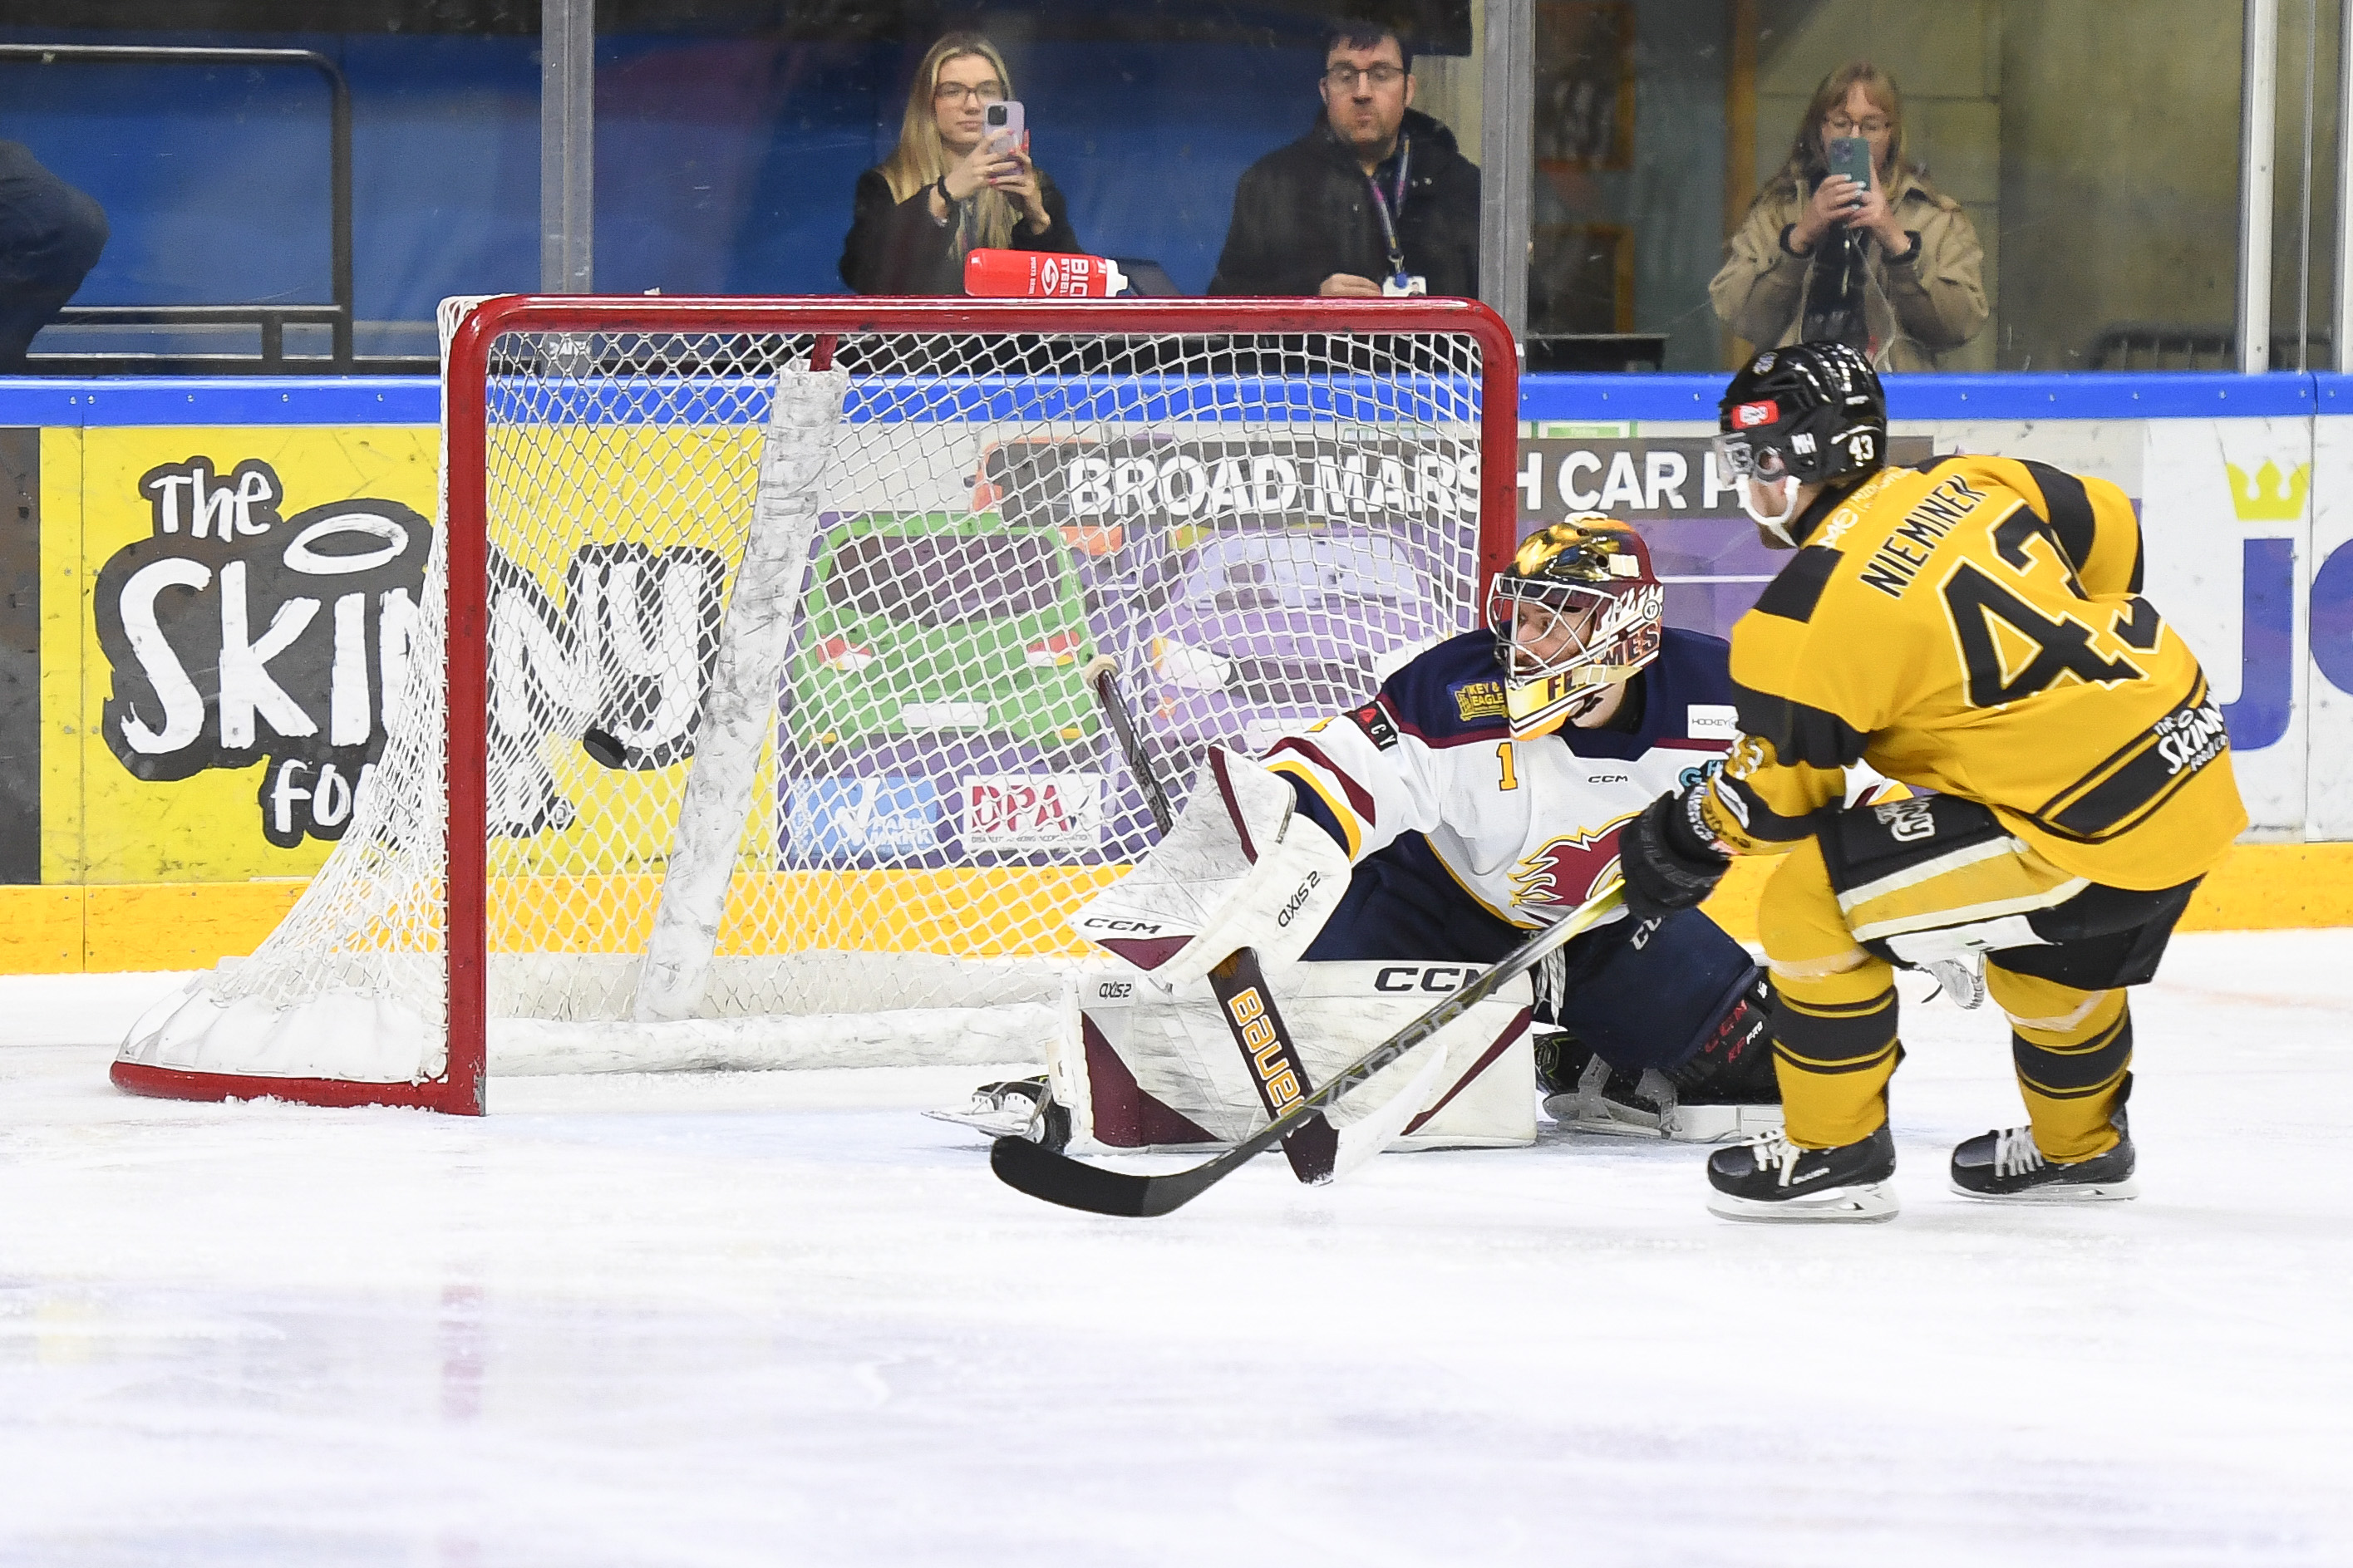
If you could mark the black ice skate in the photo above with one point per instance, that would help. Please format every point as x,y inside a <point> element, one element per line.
<point>1770,1178</point>
<point>1017,1107</point>
<point>2006,1166</point>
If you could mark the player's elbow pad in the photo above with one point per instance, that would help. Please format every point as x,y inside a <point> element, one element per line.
<point>1241,867</point>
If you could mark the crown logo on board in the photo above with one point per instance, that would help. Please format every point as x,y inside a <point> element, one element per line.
<point>2264,499</point>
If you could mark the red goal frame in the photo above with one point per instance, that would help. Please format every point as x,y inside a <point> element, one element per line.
<point>465,432</point>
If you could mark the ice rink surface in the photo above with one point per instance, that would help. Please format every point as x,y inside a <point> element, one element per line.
<point>781,1319</point>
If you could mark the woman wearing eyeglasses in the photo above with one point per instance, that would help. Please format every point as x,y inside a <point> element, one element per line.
<point>948,187</point>
<point>1891,267</point>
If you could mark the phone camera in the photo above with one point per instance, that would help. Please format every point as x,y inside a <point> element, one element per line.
<point>996,115</point>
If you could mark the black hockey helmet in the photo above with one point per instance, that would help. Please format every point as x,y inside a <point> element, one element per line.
<point>1812,412</point>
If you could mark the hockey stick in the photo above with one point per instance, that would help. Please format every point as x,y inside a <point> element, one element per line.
<point>1245,1001</point>
<point>1102,677</point>
<point>1074,1183</point>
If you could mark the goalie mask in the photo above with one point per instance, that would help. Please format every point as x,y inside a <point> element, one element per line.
<point>1808,414</point>
<point>1578,611</point>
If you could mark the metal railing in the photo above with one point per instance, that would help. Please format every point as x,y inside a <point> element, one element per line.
<point>2183,345</point>
<point>271,318</point>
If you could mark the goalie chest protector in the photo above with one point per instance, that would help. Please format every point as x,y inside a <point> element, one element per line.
<point>1529,828</point>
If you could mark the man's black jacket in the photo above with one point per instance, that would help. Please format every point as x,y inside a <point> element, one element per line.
<point>1303,213</point>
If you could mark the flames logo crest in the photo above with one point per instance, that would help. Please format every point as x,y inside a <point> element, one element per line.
<point>1568,871</point>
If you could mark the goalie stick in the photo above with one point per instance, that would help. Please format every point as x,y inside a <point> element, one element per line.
<point>1074,1183</point>
<point>1244,999</point>
<point>1103,680</point>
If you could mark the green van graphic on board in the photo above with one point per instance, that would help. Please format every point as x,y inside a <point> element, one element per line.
<point>937,623</point>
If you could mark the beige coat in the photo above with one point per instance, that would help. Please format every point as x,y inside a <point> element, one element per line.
<point>1916,309</point>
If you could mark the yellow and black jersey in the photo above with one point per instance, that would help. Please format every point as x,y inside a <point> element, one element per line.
<point>1975,627</point>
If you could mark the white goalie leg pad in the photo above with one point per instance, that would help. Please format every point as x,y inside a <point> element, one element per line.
<point>1240,868</point>
<point>1471,1087</point>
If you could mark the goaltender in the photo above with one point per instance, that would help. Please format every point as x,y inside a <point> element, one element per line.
<point>1476,797</point>
<point>1972,626</point>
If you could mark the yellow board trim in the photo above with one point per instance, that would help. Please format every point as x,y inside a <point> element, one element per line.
<point>192,925</point>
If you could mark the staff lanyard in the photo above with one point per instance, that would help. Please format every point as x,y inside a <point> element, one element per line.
<point>1381,206</point>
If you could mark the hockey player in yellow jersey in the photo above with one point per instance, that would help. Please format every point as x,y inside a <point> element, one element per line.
<point>1972,626</point>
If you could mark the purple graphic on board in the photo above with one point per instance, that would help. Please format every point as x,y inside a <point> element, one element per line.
<point>1675,494</point>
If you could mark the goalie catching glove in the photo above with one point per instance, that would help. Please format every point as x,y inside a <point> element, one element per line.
<point>1668,858</point>
<point>1240,868</point>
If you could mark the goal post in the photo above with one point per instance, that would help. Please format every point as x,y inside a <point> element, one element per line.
<point>1252,506</point>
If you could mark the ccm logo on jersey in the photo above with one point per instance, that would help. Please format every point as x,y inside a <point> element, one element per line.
<point>1298,897</point>
<point>1107,922</point>
<point>1749,416</point>
<point>1435,977</point>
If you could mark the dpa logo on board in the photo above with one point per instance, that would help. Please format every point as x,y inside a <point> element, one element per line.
<point>1022,813</point>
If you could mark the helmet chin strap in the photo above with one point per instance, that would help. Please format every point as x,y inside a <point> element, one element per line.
<point>1777,525</point>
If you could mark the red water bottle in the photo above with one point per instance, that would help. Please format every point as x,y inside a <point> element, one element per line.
<point>1040,275</point>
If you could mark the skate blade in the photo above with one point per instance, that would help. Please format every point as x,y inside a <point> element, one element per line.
<point>992,1124</point>
<point>1689,1124</point>
<point>1722,1124</point>
<point>2059,1192</point>
<point>1868,1202</point>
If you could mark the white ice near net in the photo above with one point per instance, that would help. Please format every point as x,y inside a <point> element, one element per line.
<point>904,1036</point>
<point>1250,526</point>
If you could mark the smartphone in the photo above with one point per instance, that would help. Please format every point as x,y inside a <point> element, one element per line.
<point>1850,156</point>
<point>1005,124</point>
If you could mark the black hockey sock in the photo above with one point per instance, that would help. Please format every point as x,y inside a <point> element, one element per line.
<point>1734,1064</point>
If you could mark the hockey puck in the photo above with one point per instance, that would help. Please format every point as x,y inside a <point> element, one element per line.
<point>604,746</point>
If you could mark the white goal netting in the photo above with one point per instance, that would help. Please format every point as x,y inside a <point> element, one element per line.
<point>786,753</point>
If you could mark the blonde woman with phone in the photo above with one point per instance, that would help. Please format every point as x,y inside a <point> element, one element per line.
<point>958,181</point>
<point>1850,243</point>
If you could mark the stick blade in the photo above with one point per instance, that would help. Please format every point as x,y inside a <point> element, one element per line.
<point>1031,1168</point>
<point>1075,1184</point>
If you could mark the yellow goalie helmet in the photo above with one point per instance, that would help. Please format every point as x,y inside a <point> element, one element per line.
<point>1579,610</point>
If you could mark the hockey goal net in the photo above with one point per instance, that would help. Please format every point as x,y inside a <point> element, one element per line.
<point>745,720</point>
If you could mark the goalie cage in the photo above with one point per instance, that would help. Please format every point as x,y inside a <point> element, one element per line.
<point>826,627</point>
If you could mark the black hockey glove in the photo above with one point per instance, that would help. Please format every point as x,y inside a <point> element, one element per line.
<point>1668,865</point>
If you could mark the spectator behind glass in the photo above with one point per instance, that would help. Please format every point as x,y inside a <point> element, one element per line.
<point>1308,216</point>
<point>945,189</point>
<point>1891,271</point>
<point>50,235</point>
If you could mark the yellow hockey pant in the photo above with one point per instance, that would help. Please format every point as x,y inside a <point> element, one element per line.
<point>1834,1017</point>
